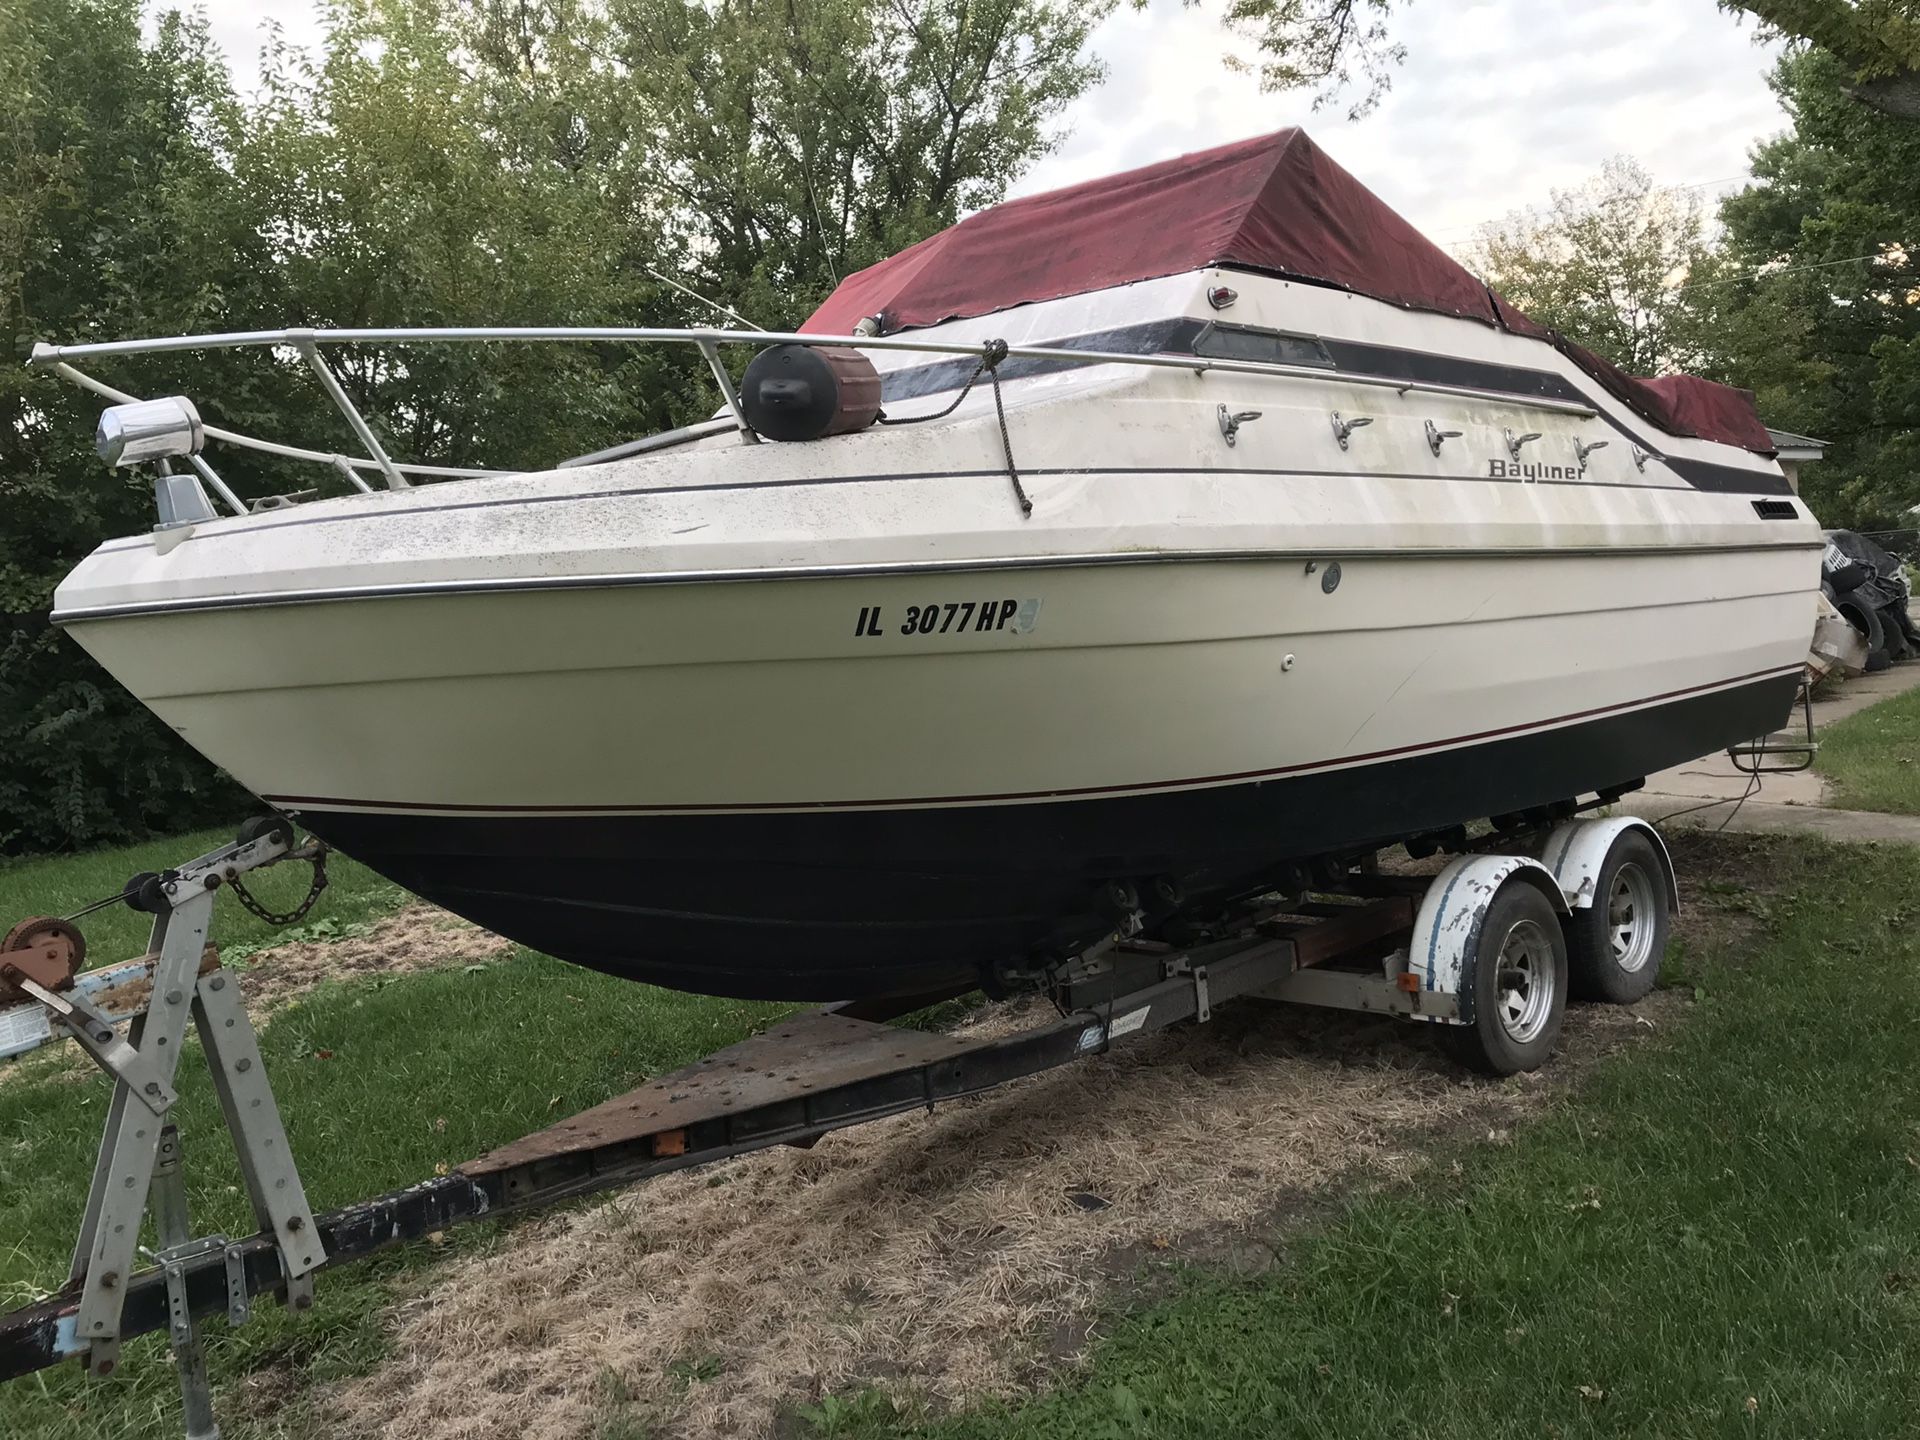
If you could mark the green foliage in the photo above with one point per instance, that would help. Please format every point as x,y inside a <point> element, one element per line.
<point>1876,41</point>
<point>538,162</point>
<point>62,884</point>
<point>119,218</point>
<point>804,142</point>
<point>864,1412</point>
<point>1326,45</point>
<point>1808,294</point>
<point>1603,265</point>
<point>1816,293</point>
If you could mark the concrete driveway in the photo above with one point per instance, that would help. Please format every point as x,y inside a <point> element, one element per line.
<point>1709,791</point>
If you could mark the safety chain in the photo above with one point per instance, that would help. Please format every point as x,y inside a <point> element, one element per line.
<point>991,354</point>
<point>318,859</point>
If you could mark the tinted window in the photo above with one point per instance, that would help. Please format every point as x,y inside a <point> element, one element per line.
<point>1267,347</point>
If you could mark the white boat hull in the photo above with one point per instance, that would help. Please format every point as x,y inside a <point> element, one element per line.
<point>680,717</point>
<point>726,782</point>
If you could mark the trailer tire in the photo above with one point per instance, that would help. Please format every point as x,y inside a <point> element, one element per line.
<point>1519,986</point>
<point>1615,945</point>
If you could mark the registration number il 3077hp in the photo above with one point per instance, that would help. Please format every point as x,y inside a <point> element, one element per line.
<point>951,617</point>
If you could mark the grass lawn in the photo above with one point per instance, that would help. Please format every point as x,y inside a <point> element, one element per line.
<point>1717,1235</point>
<point>61,884</point>
<point>378,1082</point>
<point>1872,759</point>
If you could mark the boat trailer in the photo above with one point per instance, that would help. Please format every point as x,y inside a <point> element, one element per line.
<point>1417,948</point>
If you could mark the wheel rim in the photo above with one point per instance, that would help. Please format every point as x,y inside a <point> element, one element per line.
<point>1524,995</point>
<point>1633,918</point>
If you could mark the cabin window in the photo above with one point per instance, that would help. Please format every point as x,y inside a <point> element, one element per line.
<point>1264,347</point>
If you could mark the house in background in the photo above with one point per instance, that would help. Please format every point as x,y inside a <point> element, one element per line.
<point>1793,451</point>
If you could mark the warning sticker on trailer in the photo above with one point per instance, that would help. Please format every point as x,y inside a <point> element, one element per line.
<point>1094,1036</point>
<point>1129,1022</point>
<point>22,1028</point>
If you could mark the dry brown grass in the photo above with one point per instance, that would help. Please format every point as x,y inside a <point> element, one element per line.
<point>940,1255</point>
<point>416,937</point>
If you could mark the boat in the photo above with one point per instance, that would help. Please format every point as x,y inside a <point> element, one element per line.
<point>1137,547</point>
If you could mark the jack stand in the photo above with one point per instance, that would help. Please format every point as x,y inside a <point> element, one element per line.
<point>139,1161</point>
<point>174,1232</point>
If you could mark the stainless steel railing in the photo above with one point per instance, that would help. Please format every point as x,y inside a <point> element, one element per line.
<point>309,344</point>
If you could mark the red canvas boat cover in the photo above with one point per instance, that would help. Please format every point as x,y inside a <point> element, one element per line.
<point>1277,204</point>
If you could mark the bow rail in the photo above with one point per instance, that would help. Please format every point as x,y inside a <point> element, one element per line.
<point>310,344</point>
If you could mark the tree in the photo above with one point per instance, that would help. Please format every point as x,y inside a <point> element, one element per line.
<point>438,162</point>
<point>804,141</point>
<point>1326,44</point>
<point>567,161</point>
<point>1605,265</point>
<point>118,218</point>
<point>1878,41</point>
<point>416,173</point>
<point>1329,44</point>
<point>1817,291</point>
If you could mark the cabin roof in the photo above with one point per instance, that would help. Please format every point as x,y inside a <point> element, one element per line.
<point>1277,204</point>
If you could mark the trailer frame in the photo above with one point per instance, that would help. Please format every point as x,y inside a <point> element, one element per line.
<point>1352,947</point>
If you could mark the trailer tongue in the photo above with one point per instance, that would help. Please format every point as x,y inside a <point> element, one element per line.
<point>1491,969</point>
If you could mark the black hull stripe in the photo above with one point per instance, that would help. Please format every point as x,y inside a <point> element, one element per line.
<point>844,904</point>
<point>303,802</point>
<point>1374,362</point>
<point>1548,385</point>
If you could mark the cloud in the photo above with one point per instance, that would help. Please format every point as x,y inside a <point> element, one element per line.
<point>238,29</point>
<point>1499,102</point>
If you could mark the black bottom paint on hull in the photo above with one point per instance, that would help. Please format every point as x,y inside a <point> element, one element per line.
<point>818,905</point>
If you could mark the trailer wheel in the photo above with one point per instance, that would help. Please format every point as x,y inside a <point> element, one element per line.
<point>1615,945</point>
<point>1519,986</point>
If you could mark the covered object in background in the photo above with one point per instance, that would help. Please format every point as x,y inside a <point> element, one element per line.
<point>1870,589</point>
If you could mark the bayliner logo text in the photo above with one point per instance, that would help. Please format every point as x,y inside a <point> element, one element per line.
<point>1510,470</point>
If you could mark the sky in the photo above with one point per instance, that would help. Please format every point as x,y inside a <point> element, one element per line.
<point>1499,103</point>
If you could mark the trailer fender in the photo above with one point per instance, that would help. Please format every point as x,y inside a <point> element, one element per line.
<point>1576,850</point>
<point>1446,933</point>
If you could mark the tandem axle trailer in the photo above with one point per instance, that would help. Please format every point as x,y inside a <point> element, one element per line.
<point>1487,951</point>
